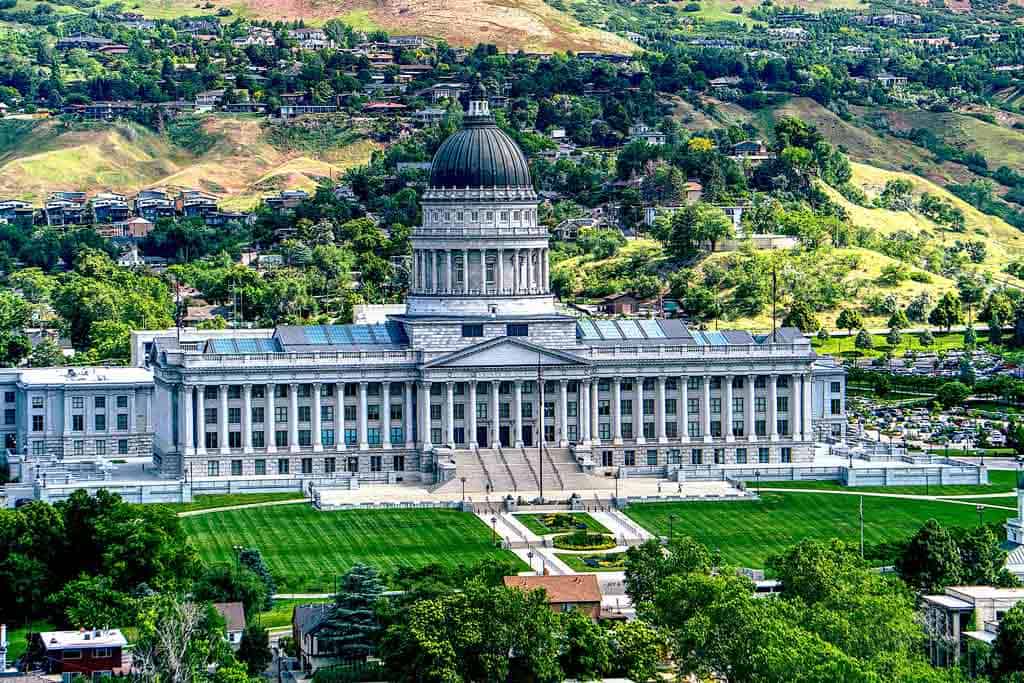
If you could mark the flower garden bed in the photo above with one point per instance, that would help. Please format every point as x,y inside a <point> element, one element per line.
<point>583,540</point>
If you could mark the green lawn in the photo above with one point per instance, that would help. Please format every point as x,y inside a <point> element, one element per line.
<point>281,613</point>
<point>220,500</point>
<point>306,549</point>
<point>613,562</point>
<point>535,523</point>
<point>999,481</point>
<point>749,531</point>
<point>16,637</point>
<point>844,346</point>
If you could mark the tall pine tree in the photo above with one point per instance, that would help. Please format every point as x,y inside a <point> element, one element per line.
<point>352,626</point>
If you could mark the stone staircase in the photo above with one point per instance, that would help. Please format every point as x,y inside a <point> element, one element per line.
<point>517,470</point>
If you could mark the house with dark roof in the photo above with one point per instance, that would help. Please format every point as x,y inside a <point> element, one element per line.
<point>312,651</point>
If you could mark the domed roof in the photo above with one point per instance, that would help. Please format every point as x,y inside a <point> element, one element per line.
<point>480,155</point>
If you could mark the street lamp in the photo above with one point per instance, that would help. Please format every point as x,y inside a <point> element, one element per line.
<point>494,530</point>
<point>981,509</point>
<point>529,556</point>
<point>757,479</point>
<point>463,480</point>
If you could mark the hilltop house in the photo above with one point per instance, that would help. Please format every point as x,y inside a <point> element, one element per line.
<point>85,653</point>
<point>564,593</point>
<point>963,614</point>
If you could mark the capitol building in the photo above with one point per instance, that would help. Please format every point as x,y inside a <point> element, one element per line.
<point>483,366</point>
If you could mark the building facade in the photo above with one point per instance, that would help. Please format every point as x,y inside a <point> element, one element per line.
<point>481,360</point>
<point>72,412</point>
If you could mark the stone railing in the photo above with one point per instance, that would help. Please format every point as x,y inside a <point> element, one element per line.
<point>196,359</point>
<point>698,352</point>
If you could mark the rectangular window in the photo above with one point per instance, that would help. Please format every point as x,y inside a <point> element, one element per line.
<point>835,387</point>
<point>629,458</point>
<point>760,427</point>
<point>435,435</point>
<point>212,468</point>
<point>281,438</point>
<point>648,407</point>
<point>373,436</point>
<point>652,456</point>
<point>304,414</point>
<point>626,406</point>
<point>235,391</point>
<point>307,465</point>
<point>397,435</point>
<point>305,390</point>
<point>435,411</point>
<point>716,406</point>
<point>474,330</point>
<point>236,468</point>
<point>782,426</point>
<point>572,433</point>
<point>459,411</point>
<point>696,456</point>
<point>741,456</point>
<point>672,430</point>
<point>350,413</point>
<point>10,416</point>
<point>627,430</point>
<point>101,447</point>
<point>716,428</point>
<point>782,404</point>
<point>675,456</point>
<point>79,448</point>
<point>350,437</point>
<point>737,427</point>
<point>549,409</point>
<point>330,465</point>
<point>260,467</point>
<point>398,463</point>
<point>100,401</point>
<point>280,414</point>
<point>604,407</point>
<point>76,402</point>
<point>737,405</point>
<point>836,406</point>
<point>570,408</point>
<point>481,411</point>
<point>235,439</point>
<point>395,411</point>
<point>122,446</point>
<point>527,410</point>
<point>210,415</point>
<point>234,416</point>
<point>37,423</point>
<point>670,406</point>
<point>327,413</point>
<point>77,423</point>
<point>209,393</point>
<point>259,391</point>
<point>517,330</point>
<point>692,383</point>
<point>504,410</point>
<point>38,448</point>
<point>37,402</point>
<point>305,437</point>
<point>693,406</point>
<point>72,654</point>
<point>760,404</point>
<point>786,454</point>
<point>648,430</point>
<point>604,431</point>
<point>101,653</point>
<point>282,465</point>
<point>257,415</point>
<point>100,423</point>
<point>762,455</point>
<point>375,463</point>
<point>210,440</point>
<point>258,439</point>
<point>327,437</point>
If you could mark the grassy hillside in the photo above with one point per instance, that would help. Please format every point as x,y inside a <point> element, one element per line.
<point>237,162</point>
<point>531,25</point>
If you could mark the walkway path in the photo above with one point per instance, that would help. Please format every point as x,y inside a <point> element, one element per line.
<point>242,506</point>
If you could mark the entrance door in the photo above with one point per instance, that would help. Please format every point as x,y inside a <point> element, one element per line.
<point>481,437</point>
<point>527,435</point>
<point>505,436</point>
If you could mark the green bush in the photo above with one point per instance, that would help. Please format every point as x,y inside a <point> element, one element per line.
<point>582,540</point>
<point>354,672</point>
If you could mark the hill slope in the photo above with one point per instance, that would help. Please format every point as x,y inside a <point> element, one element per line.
<point>531,25</point>
<point>240,165</point>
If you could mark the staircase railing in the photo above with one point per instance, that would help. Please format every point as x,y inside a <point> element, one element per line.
<point>529,464</point>
<point>512,478</point>
<point>554,468</point>
<point>483,466</point>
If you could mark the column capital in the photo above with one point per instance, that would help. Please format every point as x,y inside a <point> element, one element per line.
<point>247,386</point>
<point>293,385</point>
<point>316,383</point>
<point>564,382</point>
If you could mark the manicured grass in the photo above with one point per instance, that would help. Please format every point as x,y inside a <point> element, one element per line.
<point>999,481</point>
<point>748,532</point>
<point>17,643</point>
<point>306,549</point>
<point>611,562</point>
<point>1007,501</point>
<point>844,346</point>
<point>281,613</point>
<point>221,500</point>
<point>535,523</point>
<point>975,452</point>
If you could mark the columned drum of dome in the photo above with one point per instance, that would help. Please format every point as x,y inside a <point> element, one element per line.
<point>480,250</point>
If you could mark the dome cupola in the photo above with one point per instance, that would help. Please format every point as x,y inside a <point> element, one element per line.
<point>481,155</point>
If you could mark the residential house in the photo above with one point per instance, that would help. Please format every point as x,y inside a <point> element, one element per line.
<point>311,38</point>
<point>257,35</point>
<point>192,203</point>
<point>60,210</point>
<point>625,303</point>
<point>154,204</point>
<point>233,614</point>
<point>100,111</point>
<point>692,193</point>
<point>286,200</point>
<point>890,82</point>
<point>410,42</point>
<point>82,41</point>
<point>724,82</point>
<point>17,212</point>
<point>963,614</point>
<point>312,651</point>
<point>641,132</point>
<point>429,116</point>
<point>564,593</point>
<point>109,207</point>
<point>84,653</point>
<point>208,99</point>
<point>113,49</point>
<point>384,108</point>
<point>446,91</point>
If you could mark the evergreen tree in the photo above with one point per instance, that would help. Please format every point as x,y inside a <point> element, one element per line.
<point>352,625</point>
<point>927,339</point>
<point>970,338</point>
<point>863,340</point>
<point>931,560</point>
<point>995,329</point>
<point>893,338</point>
<point>254,649</point>
<point>251,558</point>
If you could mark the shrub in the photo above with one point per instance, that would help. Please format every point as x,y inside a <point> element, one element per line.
<point>582,540</point>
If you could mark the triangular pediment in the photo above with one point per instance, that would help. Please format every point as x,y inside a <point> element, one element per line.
<point>506,352</point>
